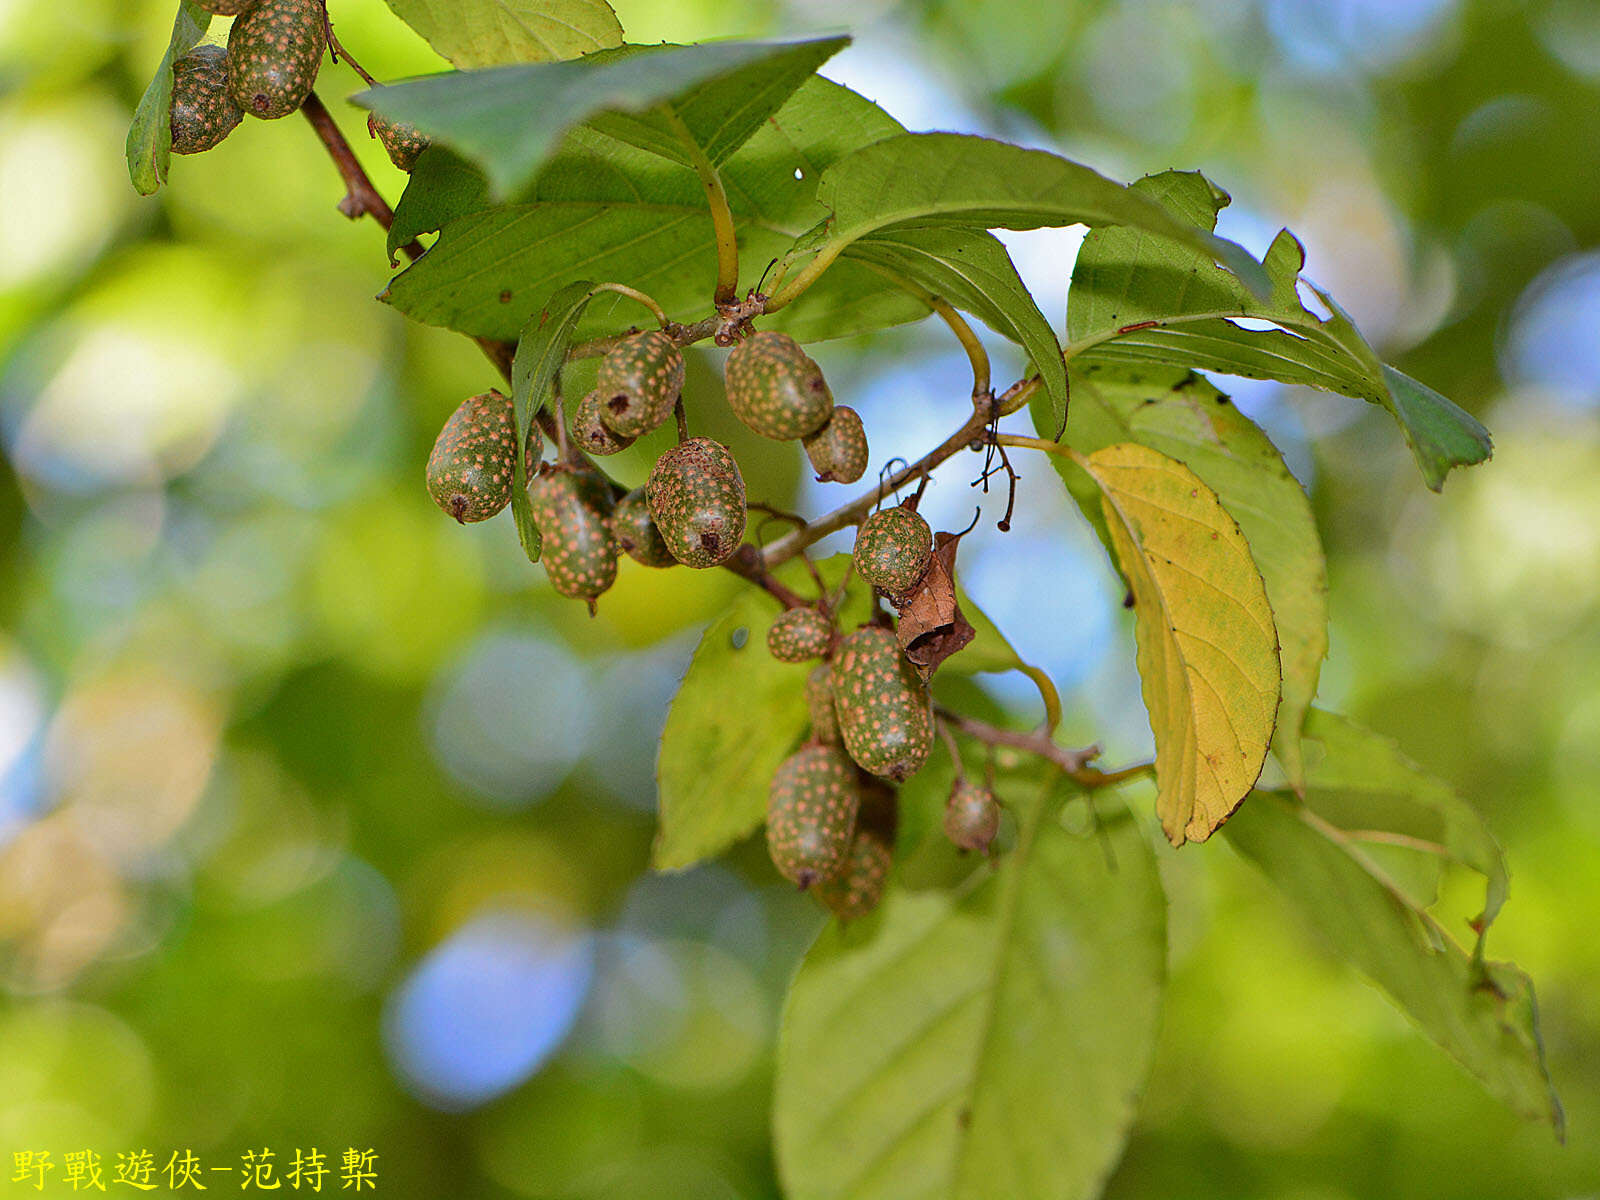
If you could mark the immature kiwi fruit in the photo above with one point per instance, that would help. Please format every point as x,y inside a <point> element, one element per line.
<point>775,388</point>
<point>882,708</point>
<point>571,508</point>
<point>811,814</point>
<point>636,533</point>
<point>892,549</point>
<point>274,52</point>
<point>639,382</point>
<point>819,703</point>
<point>590,432</point>
<point>225,8</point>
<point>203,110</point>
<point>971,816</point>
<point>696,497</point>
<point>838,451</point>
<point>403,143</point>
<point>473,463</point>
<point>797,634</point>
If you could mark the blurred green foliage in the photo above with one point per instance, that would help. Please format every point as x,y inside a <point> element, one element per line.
<point>275,736</point>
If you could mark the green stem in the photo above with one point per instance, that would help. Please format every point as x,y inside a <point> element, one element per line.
<point>809,274</point>
<point>721,214</point>
<point>1047,693</point>
<point>976,354</point>
<point>1041,444</point>
<point>622,289</point>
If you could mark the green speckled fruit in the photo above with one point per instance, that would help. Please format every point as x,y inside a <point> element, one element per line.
<point>838,451</point>
<point>203,111</point>
<point>274,52</point>
<point>225,8</point>
<point>696,496</point>
<point>811,814</point>
<point>819,703</point>
<point>590,432</point>
<point>775,388</point>
<point>892,549</point>
<point>856,888</point>
<point>571,510</point>
<point>882,707</point>
<point>798,634</point>
<point>473,463</point>
<point>636,532</point>
<point>404,143</point>
<point>639,382</point>
<point>971,816</point>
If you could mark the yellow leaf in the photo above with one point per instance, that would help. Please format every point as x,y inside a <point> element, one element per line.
<point>1207,644</point>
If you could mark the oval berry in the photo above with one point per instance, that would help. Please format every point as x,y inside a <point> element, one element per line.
<point>696,497</point>
<point>403,143</point>
<point>882,708</point>
<point>811,814</point>
<point>856,888</point>
<point>274,52</point>
<point>591,433</point>
<point>775,388</point>
<point>797,634</point>
<point>639,382</point>
<point>892,549</point>
<point>571,510</point>
<point>971,816</point>
<point>473,463</point>
<point>203,110</point>
<point>838,451</point>
<point>636,533</point>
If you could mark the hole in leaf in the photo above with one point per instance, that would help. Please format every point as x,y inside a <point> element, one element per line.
<point>739,637</point>
<point>1312,301</point>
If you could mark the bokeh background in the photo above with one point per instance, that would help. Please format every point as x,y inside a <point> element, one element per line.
<point>323,823</point>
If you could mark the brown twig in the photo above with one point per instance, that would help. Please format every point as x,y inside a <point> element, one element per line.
<point>361,198</point>
<point>747,564</point>
<point>1073,763</point>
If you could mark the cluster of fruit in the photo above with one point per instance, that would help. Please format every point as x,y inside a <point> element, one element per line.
<point>692,510</point>
<point>831,808</point>
<point>274,52</point>
<point>831,813</point>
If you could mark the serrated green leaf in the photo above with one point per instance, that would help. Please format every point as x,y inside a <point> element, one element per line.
<point>509,120</point>
<point>958,179</point>
<point>149,145</point>
<point>1139,297</point>
<point>604,210</point>
<point>958,1045</point>
<point>1183,416</point>
<point>442,187</point>
<point>972,270</point>
<point>738,714</point>
<point>1482,1013</point>
<point>541,351</point>
<point>487,33</point>
<point>1361,783</point>
<point>1207,645</point>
